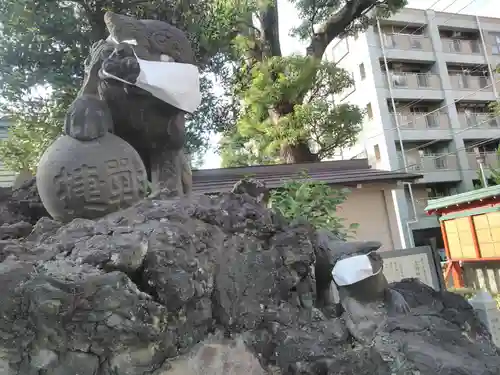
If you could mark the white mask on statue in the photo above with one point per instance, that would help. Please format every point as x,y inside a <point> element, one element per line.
<point>174,83</point>
<point>352,270</point>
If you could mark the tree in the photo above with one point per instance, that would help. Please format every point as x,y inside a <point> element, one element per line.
<point>313,201</point>
<point>286,113</point>
<point>43,45</point>
<point>494,175</point>
<point>266,98</point>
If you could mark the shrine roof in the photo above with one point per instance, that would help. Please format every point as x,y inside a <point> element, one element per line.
<point>463,199</point>
<point>339,172</point>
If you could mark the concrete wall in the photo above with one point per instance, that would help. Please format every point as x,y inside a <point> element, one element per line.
<point>6,177</point>
<point>378,139</point>
<point>373,209</point>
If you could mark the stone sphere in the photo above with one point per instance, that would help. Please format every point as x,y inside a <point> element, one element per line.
<point>90,179</point>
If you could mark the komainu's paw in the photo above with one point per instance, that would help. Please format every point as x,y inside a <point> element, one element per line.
<point>88,118</point>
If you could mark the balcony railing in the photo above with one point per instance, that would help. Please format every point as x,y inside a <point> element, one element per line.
<point>421,121</point>
<point>478,120</point>
<point>407,42</point>
<point>431,163</point>
<point>414,80</point>
<point>491,159</point>
<point>468,82</point>
<point>469,47</point>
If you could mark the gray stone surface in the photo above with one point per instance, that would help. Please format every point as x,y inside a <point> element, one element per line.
<point>253,187</point>
<point>143,290</point>
<point>89,179</point>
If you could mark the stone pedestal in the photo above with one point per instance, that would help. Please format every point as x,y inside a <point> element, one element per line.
<point>487,310</point>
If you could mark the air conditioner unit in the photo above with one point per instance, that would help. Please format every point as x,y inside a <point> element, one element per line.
<point>457,34</point>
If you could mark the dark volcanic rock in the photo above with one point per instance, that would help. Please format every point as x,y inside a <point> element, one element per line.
<point>214,286</point>
<point>23,204</point>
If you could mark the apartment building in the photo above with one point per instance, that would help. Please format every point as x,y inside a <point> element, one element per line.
<point>426,80</point>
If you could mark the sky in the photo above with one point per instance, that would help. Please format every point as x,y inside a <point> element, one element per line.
<point>289,45</point>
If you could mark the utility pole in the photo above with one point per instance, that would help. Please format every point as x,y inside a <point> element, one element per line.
<point>480,160</point>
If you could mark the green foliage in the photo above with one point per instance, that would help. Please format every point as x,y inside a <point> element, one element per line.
<point>493,179</point>
<point>239,151</point>
<point>313,201</point>
<point>298,89</point>
<point>43,45</point>
<point>317,12</point>
<point>33,129</point>
<point>494,176</point>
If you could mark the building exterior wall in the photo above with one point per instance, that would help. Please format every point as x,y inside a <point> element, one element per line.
<point>6,177</point>
<point>375,215</point>
<point>416,40</point>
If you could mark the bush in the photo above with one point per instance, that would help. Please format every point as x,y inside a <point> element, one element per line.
<point>315,202</point>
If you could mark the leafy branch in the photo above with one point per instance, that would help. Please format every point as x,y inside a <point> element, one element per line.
<point>314,201</point>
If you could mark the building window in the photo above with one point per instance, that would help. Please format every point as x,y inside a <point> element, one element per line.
<point>495,49</point>
<point>340,50</point>
<point>362,71</point>
<point>376,151</point>
<point>369,110</point>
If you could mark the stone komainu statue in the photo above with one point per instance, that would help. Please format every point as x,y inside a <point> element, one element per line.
<point>154,128</point>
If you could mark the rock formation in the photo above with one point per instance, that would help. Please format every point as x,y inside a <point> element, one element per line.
<point>212,285</point>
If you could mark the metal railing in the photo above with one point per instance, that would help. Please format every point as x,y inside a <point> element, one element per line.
<point>407,42</point>
<point>431,162</point>
<point>403,80</point>
<point>469,82</point>
<point>469,47</point>
<point>478,120</point>
<point>491,159</point>
<point>421,121</point>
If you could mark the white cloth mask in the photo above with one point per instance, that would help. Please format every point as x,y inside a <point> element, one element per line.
<point>352,270</point>
<point>174,83</point>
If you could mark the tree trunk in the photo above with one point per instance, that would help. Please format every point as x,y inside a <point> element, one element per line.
<point>298,153</point>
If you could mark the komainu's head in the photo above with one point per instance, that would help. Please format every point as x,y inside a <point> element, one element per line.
<point>154,37</point>
<point>140,118</point>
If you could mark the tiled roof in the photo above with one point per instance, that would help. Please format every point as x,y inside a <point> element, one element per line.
<point>344,172</point>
